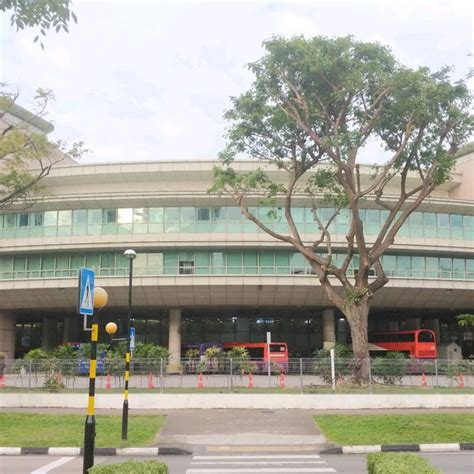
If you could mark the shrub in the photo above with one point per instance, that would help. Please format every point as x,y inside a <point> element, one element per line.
<point>389,369</point>
<point>131,467</point>
<point>322,364</point>
<point>240,359</point>
<point>398,463</point>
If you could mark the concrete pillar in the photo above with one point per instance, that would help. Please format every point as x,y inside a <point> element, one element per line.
<point>417,323</point>
<point>70,329</point>
<point>329,329</point>
<point>434,325</point>
<point>7,335</point>
<point>48,333</point>
<point>174,340</point>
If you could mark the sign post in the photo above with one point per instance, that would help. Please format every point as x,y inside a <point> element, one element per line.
<point>85,300</point>
<point>269,368</point>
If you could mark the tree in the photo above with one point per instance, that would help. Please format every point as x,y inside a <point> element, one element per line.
<point>466,320</point>
<point>44,14</point>
<point>313,106</point>
<point>26,154</point>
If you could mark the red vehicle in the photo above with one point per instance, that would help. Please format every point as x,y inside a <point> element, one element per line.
<point>259,351</point>
<point>418,344</point>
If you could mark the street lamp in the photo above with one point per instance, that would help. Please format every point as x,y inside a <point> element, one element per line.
<point>100,300</point>
<point>131,255</point>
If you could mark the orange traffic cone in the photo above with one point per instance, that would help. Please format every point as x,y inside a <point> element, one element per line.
<point>461,381</point>
<point>250,380</point>
<point>423,380</point>
<point>108,385</point>
<point>2,381</point>
<point>282,380</point>
<point>150,381</point>
<point>200,383</point>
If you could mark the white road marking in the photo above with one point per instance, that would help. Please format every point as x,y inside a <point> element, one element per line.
<point>262,456</point>
<point>277,463</point>
<point>52,465</point>
<point>258,470</point>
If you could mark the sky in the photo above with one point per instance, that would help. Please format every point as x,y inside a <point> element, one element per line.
<point>150,80</point>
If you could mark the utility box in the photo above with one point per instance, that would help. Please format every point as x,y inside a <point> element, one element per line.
<point>451,352</point>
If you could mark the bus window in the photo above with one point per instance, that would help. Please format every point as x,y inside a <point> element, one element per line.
<point>277,348</point>
<point>255,352</point>
<point>425,336</point>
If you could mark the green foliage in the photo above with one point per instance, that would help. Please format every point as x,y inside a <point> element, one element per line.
<point>240,359</point>
<point>398,463</point>
<point>465,320</point>
<point>389,369</point>
<point>27,156</point>
<point>65,352</point>
<point>53,381</point>
<point>36,354</point>
<point>129,467</point>
<point>322,363</point>
<point>150,351</point>
<point>43,14</point>
<point>192,353</point>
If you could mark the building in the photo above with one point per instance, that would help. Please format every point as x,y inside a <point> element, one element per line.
<point>204,273</point>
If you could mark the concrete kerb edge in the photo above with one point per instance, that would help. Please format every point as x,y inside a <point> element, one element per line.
<point>387,448</point>
<point>75,451</point>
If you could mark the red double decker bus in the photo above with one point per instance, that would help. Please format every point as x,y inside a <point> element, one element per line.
<point>258,351</point>
<point>418,344</point>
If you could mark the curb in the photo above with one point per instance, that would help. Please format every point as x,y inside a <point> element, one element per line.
<point>74,451</point>
<point>394,448</point>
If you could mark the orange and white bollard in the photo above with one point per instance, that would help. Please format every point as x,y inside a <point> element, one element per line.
<point>282,380</point>
<point>108,384</point>
<point>3,381</point>
<point>423,380</point>
<point>200,383</point>
<point>250,380</point>
<point>461,381</point>
<point>150,381</point>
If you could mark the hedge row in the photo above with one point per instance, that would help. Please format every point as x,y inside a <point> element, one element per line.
<point>131,467</point>
<point>398,463</point>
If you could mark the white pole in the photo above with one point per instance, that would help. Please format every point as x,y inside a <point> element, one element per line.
<point>269,369</point>
<point>333,370</point>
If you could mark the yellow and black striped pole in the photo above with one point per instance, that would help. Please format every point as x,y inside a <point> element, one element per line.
<point>100,300</point>
<point>131,255</point>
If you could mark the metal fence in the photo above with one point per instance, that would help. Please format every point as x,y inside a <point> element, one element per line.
<point>298,375</point>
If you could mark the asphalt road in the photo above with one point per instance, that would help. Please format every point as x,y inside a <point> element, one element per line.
<point>234,463</point>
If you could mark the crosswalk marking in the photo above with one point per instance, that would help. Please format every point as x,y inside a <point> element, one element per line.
<point>259,470</point>
<point>262,456</point>
<point>258,464</point>
<point>52,465</point>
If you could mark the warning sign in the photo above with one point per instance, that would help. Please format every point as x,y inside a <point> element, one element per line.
<point>86,291</point>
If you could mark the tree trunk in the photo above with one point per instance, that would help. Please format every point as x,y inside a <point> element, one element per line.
<point>357,317</point>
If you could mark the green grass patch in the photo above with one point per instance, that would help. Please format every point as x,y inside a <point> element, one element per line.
<point>40,430</point>
<point>129,467</point>
<point>397,429</point>
<point>398,463</point>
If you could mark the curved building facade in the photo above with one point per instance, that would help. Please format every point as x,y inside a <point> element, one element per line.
<point>203,273</point>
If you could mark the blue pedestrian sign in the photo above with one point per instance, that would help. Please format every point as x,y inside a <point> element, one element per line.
<point>86,291</point>
<point>132,338</point>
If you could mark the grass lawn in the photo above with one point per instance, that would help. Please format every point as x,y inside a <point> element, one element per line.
<point>39,430</point>
<point>397,429</point>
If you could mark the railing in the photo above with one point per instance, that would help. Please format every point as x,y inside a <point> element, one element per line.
<point>226,271</point>
<point>297,375</point>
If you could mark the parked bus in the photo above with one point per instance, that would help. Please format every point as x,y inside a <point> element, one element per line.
<point>258,351</point>
<point>418,344</point>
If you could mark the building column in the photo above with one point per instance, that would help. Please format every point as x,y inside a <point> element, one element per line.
<point>417,323</point>
<point>7,335</point>
<point>434,325</point>
<point>70,329</point>
<point>329,329</point>
<point>48,330</point>
<point>174,340</point>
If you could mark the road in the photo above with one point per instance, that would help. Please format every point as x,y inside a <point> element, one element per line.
<point>235,463</point>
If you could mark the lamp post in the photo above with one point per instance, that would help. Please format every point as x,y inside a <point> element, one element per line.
<point>131,255</point>
<point>100,300</point>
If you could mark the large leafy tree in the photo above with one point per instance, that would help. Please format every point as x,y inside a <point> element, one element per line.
<point>26,154</point>
<point>313,106</point>
<point>40,14</point>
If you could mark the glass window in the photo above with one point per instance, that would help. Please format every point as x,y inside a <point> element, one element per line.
<point>416,218</point>
<point>186,267</point>
<point>234,214</point>
<point>94,216</point>
<point>48,262</point>
<point>140,215</point>
<point>372,216</point>
<point>171,214</point>
<point>64,217</point>
<point>218,214</point>
<point>203,214</point>
<point>468,222</point>
<point>443,220</point>
<point>155,262</point>
<point>23,219</point>
<point>156,214</point>
<point>124,216</point>
<point>109,216</point>
<point>37,219</point>
<point>34,262</point>
<point>403,262</point>
<point>10,221</point>
<point>455,220</point>
<point>425,336</point>
<point>429,219</point>
<point>188,214</point>
<point>446,266</point>
<point>107,260</point>
<point>79,217</point>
